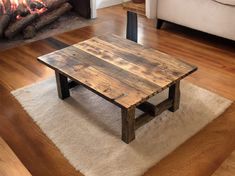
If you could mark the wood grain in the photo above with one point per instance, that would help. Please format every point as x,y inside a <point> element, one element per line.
<point>107,68</point>
<point>203,153</point>
<point>135,7</point>
<point>174,94</point>
<point>10,164</point>
<point>128,124</point>
<point>227,168</point>
<point>200,156</point>
<point>159,71</point>
<point>71,65</point>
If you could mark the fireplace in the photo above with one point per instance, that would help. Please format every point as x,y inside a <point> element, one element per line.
<point>27,17</point>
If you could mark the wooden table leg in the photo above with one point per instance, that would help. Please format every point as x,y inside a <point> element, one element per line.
<point>128,125</point>
<point>132,26</point>
<point>174,94</point>
<point>62,85</point>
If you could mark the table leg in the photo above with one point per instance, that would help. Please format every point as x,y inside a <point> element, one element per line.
<point>62,85</point>
<point>174,94</point>
<point>132,26</point>
<point>128,125</point>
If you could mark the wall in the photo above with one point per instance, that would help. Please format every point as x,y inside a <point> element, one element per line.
<point>107,3</point>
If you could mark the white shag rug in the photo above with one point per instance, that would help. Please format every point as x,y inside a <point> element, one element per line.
<point>87,129</point>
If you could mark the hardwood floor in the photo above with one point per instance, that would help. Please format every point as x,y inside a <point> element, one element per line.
<point>10,164</point>
<point>227,168</point>
<point>199,156</point>
<point>202,154</point>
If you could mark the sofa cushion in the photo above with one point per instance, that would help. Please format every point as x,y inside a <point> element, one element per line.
<point>226,2</point>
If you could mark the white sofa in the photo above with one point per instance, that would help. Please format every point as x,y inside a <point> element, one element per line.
<point>216,17</point>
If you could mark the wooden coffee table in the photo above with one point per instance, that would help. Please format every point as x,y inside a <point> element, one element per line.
<point>124,73</point>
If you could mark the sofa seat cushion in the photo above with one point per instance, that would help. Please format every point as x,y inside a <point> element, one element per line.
<point>226,2</point>
<point>204,15</point>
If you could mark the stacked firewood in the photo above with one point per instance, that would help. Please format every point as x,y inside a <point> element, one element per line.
<point>29,16</point>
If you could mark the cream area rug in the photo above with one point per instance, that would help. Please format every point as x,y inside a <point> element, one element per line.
<point>87,129</point>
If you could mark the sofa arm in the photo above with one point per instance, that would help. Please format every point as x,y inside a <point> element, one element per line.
<point>151,9</point>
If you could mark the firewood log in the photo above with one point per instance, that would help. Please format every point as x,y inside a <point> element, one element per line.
<point>1,9</point>
<point>53,4</point>
<point>19,25</point>
<point>36,5</point>
<point>5,18</point>
<point>30,31</point>
<point>22,10</point>
<point>4,22</point>
<point>7,4</point>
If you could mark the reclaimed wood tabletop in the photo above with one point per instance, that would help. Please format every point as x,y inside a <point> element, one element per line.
<point>122,71</point>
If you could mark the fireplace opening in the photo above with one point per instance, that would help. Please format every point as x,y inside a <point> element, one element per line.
<point>25,18</point>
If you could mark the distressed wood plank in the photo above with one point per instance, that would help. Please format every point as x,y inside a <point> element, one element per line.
<point>78,56</point>
<point>151,65</point>
<point>106,86</point>
<point>153,68</point>
<point>113,71</point>
<point>118,61</point>
<point>115,90</point>
<point>148,53</point>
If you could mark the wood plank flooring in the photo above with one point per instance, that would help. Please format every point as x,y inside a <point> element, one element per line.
<point>135,7</point>
<point>200,156</point>
<point>10,165</point>
<point>227,168</point>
